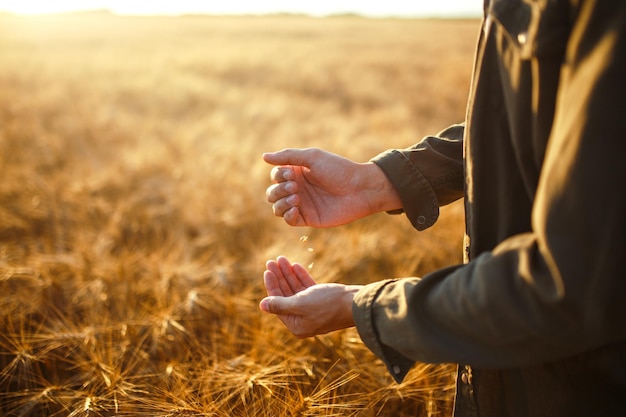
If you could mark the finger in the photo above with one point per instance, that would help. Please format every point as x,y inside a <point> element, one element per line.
<point>275,305</point>
<point>303,275</point>
<point>282,173</point>
<point>287,272</point>
<point>281,283</point>
<point>293,217</point>
<point>301,278</point>
<point>269,305</point>
<point>280,190</point>
<point>271,284</point>
<point>292,279</point>
<point>282,206</point>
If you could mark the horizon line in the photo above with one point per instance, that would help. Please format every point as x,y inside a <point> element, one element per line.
<point>106,11</point>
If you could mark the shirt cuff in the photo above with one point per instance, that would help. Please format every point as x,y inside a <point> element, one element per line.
<point>419,200</point>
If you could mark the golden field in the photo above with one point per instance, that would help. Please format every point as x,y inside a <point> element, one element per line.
<point>133,223</point>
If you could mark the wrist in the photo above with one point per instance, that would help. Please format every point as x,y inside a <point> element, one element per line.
<point>380,192</point>
<point>347,319</point>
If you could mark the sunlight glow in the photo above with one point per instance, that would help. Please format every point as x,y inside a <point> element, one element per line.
<point>322,7</point>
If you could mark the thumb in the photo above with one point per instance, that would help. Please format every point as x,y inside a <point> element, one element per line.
<point>290,156</point>
<point>275,305</point>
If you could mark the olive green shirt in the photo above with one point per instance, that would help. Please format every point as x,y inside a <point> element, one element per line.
<point>536,317</point>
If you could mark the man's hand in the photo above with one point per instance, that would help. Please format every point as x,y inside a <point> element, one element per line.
<point>316,188</point>
<point>306,308</point>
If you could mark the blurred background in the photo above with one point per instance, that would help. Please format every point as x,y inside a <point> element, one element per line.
<point>133,223</point>
<point>442,8</point>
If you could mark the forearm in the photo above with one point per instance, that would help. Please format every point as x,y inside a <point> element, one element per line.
<point>505,309</point>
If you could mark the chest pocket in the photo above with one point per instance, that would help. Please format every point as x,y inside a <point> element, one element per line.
<point>535,28</point>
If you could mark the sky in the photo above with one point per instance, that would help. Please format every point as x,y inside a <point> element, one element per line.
<point>396,8</point>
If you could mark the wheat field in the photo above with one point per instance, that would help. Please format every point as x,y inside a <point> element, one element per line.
<point>133,223</point>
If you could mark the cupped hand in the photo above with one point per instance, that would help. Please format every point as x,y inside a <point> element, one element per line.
<point>306,308</point>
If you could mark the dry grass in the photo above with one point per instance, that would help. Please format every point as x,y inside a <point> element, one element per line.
<point>133,223</point>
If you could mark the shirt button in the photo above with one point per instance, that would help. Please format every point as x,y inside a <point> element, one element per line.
<point>421,219</point>
<point>522,38</point>
<point>396,369</point>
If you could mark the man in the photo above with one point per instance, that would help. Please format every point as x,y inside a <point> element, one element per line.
<point>535,318</point>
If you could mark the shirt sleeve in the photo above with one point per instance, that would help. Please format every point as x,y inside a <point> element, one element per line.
<point>427,175</point>
<point>553,292</point>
